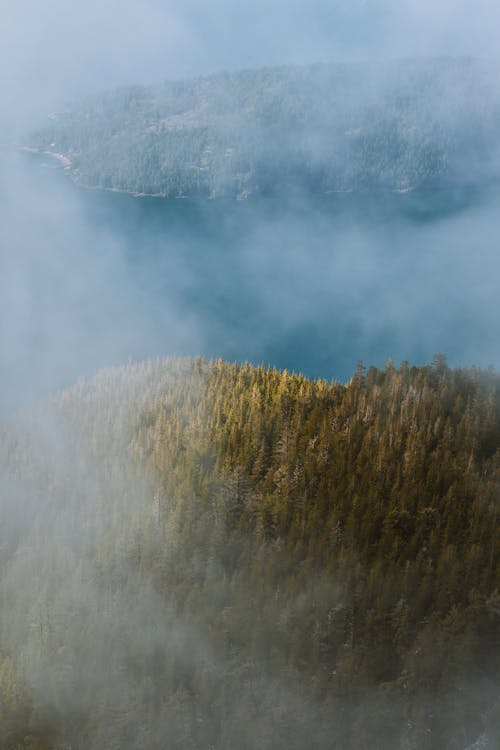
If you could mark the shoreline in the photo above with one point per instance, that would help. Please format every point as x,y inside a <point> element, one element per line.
<point>62,159</point>
<point>65,163</point>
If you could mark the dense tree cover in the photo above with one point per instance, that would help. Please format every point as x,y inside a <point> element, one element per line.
<point>329,127</point>
<point>204,555</point>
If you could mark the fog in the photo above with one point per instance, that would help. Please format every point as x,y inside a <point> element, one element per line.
<point>54,51</point>
<point>70,300</point>
<point>87,283</point>
<point>70,303</point>
<point>309,284</point>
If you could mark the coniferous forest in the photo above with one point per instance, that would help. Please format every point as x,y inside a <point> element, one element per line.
<point>336,127</point>
<point>199,551</point>
<point>207,555</point>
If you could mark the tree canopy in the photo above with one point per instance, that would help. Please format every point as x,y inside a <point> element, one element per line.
<point>200,554</point>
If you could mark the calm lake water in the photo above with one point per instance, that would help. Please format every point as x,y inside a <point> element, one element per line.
<point>312,284</point>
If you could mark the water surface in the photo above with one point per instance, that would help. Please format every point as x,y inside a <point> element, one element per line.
<point>311,284</point>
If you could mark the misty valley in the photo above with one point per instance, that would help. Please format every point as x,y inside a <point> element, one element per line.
<point>250,416</point>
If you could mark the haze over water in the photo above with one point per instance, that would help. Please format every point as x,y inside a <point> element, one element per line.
<point>91,279</point>
<point>312,284</point>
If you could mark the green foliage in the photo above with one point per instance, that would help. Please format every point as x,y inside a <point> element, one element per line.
<point>200,554</point>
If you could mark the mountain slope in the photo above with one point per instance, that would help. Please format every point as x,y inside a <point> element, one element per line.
<point>394,126</point>
<point>204,555</point>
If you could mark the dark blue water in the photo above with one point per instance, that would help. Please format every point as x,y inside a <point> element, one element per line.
<point>315,284</point>
<point>308,283</point>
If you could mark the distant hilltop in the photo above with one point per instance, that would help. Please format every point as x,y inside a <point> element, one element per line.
<point>401,125</point>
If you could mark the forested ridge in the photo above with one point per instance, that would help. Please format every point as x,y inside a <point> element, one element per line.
<point>208,555</point>
<point>401,125</point>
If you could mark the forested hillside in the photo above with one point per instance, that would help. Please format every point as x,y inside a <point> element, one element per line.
<point>204,555</point>
<point>330,127</point>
